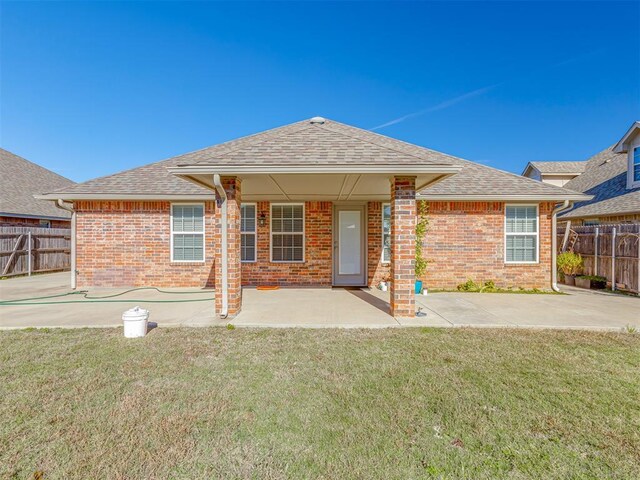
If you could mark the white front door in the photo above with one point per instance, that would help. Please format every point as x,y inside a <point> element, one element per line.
<point>349,252</point>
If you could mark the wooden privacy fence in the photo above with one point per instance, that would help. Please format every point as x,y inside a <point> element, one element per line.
<point>27,250</point>
<point>611,251</point>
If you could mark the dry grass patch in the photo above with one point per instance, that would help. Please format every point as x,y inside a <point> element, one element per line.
<point>205,403</point>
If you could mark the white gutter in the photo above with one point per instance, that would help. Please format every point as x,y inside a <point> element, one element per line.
<point>60,204</point>
<point>224,247</point>
<point>566,205</point>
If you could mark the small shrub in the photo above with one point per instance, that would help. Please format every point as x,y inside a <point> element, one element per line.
<point>570,263</point>
<point>469,286</point>
<point>489,286</point>
<point>631,329</point>
<point>231,326</point>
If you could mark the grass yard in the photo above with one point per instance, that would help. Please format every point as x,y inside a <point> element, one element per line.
<point>397,403</point>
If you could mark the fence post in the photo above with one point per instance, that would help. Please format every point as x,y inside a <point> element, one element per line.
<point>595,252</point>
<point>613,259</point>
<point>29,253</point>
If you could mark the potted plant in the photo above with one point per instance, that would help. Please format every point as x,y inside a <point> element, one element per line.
<point>384,283</point>
<point>421,230</point>
<point>591,281</point>
<point>570,264</point>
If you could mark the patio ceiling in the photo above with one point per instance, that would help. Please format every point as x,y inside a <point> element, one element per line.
<point>324,185</point>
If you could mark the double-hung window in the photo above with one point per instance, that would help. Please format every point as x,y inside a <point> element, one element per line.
<point>386,232</point>
<point>248,232</point>
<point>287,232</point>
<point>636,164</point>
<point>521,234</point>
<point>187,233</point>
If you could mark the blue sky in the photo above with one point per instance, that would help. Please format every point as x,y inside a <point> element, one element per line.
<point>88,89</point>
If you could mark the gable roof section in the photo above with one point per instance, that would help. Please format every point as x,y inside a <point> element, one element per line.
<point>605,178</point>
<point>559,168</point>
<point>20,179</point>
<point>312,144</point>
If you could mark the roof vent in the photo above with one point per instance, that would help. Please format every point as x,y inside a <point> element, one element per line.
<point>319,120</point>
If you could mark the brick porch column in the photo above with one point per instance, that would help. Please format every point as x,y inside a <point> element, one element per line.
<point>234,288</point>
<point>403,246</point>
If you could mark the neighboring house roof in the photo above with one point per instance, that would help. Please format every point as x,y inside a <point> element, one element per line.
<point>606,179</point>
<point>558,168</point>
<point>310,144</point>
<point>20,179</point>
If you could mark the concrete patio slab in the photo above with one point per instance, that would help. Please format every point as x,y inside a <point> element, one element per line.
<point>316,308</point>
<point>108,313</point>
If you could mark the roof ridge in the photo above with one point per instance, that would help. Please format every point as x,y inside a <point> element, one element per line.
<point>263,137</point>
<point>371,142</point>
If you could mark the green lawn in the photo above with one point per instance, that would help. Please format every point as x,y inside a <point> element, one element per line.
<point>400,403</point>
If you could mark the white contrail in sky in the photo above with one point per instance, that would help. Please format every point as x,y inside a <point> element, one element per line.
<point>479,91</point>
<point>439,106</point>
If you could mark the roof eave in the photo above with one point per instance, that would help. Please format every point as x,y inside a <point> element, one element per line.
<point>119,196</point>
<point>505,197</point>
<point>621,146</point>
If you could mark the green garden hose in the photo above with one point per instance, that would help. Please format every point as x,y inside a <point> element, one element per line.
<point>104,299</point>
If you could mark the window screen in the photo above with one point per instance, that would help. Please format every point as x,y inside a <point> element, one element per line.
<point>248,232</point>
<point>521,234</point>
<point>287,232</point>
<point>386,232</point>
<point>187,232</point>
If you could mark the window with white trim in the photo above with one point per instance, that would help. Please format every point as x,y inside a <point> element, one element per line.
<point>248,244</point>
<point>521,234</point>
<point>287,232</point>
<point>187,233</point>
<point>636,164</point>
<point>386,232</point>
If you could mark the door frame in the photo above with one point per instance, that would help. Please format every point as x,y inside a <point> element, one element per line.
<point>364,241</point>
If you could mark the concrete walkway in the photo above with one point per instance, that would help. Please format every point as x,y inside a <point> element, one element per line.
<point>315,308</point>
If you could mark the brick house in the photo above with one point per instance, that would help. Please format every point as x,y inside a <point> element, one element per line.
<point>315,203</point>
<point>611,178</point>
<point>20,179</point>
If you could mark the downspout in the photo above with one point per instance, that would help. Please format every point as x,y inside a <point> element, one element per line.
<point>566,205</point>
<point>224,260</point>
<point>60,204</point>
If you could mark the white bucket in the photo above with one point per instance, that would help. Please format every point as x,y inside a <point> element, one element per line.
<point>135,322</point>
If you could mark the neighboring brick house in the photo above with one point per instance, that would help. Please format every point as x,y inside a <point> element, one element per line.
<point>20,179</point>
<point>314,203</point>
<point>611,178</point>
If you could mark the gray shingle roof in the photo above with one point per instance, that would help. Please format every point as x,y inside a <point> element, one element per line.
<point>305,143</point>
<point>20,179</point>
<point>559,167</point>
<point>605,178</point>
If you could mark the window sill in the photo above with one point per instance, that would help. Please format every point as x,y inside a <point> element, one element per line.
<point>287,261</point>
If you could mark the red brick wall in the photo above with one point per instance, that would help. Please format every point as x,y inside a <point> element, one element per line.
<point>314,271</point>
<point>122,243</point>
<point>377,271</point>
<point>127,244</point>
<point>403,227</point>
<point>232,187</point>
<point>465,240</point>
<point>32,222</point>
